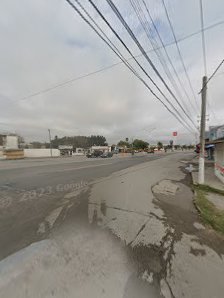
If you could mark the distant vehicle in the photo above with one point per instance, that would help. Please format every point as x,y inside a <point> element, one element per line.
<point>152,150</point>
<point>94,154</point>
<point>116,151</point>
<point>107,155</point>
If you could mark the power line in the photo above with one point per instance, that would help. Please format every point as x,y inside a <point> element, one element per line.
<point>129,51</point>
<point>130,32</point>
<point>143,20</point>
<point>167,55</point>
<point>203,37</point>
<point>125,62</point>
<point>69,81</point>
<point>148,31</point>
<point>196,33</point>
<point>204,52</point>
<point>213,74</point>
<point>179,52</point>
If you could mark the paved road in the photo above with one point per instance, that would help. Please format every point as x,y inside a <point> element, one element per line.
<point>30,188</point>
<point>122,228</point>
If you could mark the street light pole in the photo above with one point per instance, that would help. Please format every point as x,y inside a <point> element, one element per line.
<point>49,131</point>
<point>201,174</point>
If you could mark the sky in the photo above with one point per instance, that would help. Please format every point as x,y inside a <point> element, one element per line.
<point>45,43</point>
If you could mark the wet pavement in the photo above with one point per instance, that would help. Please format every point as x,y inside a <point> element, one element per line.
<point>134,233</point>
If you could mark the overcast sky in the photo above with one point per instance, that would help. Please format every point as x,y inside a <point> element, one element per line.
<point>45,43</point>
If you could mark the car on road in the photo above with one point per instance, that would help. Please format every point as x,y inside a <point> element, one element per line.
<point>152,150</point>
<point>94,154</point>
<point>107,155</point>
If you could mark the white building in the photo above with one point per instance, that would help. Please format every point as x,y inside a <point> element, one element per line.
<point>219,159</point>
<point>79,151</point>
<point>216,137</point>
<point>8,141</point>
<point>100,148</point>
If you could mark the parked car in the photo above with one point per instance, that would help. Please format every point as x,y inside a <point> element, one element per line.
<point>106,154</point>
<point>94,154</point>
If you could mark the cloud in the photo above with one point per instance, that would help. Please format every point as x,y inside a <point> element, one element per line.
<point>44,43</point>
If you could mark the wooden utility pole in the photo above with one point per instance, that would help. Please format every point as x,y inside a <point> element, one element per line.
<point>201,174</point>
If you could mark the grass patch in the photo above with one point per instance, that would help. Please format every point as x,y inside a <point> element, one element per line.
<point>208,188</point>
<point>209,213</point>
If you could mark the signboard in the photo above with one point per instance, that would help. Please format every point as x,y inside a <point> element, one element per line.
<point>174,133</point>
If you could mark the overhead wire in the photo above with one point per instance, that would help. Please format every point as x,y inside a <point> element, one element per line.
<point>125,62</point>
<point>204,56</point>
<point>179,52</point>
<point>147,28</point>
<point>71,80</point>
<point>168,57</point>
<point>209,79</point>
<point>213,74</point>
<point>130,32</point>
<point>129,51</point>
<point>203,37</point>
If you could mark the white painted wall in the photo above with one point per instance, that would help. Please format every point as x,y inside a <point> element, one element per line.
<point>11,142</point>
<point>101,148</point>
<point>219,161</point>
<point>2,156</point>
<point>41,152</point>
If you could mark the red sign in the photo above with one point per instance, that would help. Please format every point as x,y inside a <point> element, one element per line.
<point>174,133</point>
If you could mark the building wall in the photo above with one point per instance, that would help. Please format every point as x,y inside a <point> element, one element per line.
<point>101,148</point>
<point>11,142</point>
<point>219,161</point>
<point>41,152</point>
<point>216,132</point>
<point>79,151</point>
<point>14,154</point>
<point>2,156</point>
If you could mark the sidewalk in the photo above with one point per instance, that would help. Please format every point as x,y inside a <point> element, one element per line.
<point>132,234</point>
<point>210,178</point>
<point>210,196</point>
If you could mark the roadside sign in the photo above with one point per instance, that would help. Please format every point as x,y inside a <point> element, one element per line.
<point>174,133</point>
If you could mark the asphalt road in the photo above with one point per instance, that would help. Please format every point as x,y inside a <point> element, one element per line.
<point>30,188</point>
<point>122,227</point>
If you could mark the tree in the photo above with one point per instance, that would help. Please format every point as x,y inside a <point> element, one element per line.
<point>36,145</point>
<point>80,141</point>
<point>140,144</point>
<point>97,141</point>
<point>177,147</point>
<point>160,145</point>
<point>123,144</point>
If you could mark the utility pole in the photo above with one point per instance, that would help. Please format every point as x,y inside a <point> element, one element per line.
<point>201,174</point>
<point>49,131</point>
